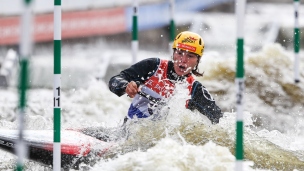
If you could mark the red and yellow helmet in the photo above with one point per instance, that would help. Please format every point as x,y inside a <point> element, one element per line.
<point>190,42</point>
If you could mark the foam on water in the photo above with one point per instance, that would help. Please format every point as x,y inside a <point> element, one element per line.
<point>269,87</point>
<point>169,154</point>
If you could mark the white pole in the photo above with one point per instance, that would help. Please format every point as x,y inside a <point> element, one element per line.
<point>240,84</point>
<point>57,85</point>
<point>296,42</point>
<point>172,25</point>
<point>135,32</point>
<point>25,52</point>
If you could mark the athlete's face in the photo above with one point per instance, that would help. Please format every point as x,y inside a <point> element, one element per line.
<point>184,62</point>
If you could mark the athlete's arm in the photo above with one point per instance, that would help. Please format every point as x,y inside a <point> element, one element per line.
<point>140,71</point>
<point>204,103</point>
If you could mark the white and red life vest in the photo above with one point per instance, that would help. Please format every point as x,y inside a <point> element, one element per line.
<point>157,86</point>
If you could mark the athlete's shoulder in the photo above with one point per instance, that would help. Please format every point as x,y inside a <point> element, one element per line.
<point>191,78</point>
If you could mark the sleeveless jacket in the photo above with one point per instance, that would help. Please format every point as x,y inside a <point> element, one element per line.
<point>158,86</point>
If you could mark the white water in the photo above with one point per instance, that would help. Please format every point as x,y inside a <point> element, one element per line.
<point>183,140</point>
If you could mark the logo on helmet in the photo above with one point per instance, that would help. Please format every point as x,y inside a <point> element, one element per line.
<point>189,40</point>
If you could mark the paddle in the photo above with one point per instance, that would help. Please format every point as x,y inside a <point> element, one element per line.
<point>149,97</point>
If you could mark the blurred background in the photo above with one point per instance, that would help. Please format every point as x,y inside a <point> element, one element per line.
<point>96,27</point>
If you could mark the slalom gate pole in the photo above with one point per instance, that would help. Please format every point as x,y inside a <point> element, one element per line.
<point>296,42</point>
<point>240,84</point>
<point>25,52</point>
<point>172,25</point>
<point>57,84</point>
<point>135,32</point>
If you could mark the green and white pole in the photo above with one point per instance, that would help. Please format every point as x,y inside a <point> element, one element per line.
<point>240,84</point>
<point>172,25</point>
<point>296,42</point>
<point>25,52</point>
<point>135,32</point>
<point>57,84</point>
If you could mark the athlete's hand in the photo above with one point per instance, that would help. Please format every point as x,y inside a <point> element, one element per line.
<point>131,89</point>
